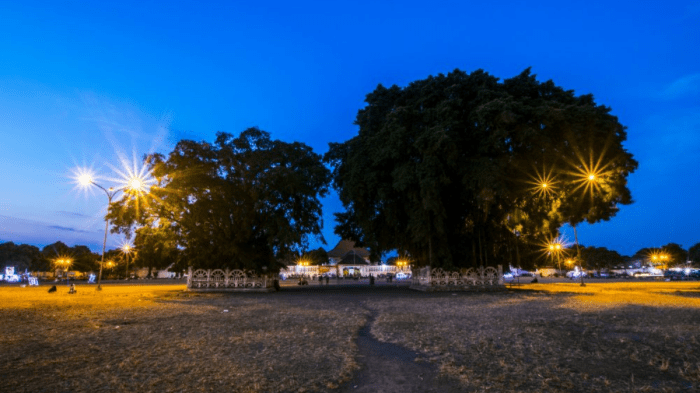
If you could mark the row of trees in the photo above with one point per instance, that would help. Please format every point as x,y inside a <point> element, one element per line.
<point>454,170</point>
<point>601,257</point>
<point>31,258</point>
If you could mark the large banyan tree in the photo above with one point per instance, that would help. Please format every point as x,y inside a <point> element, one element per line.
<point>243,202</point>
<point>464,170</point>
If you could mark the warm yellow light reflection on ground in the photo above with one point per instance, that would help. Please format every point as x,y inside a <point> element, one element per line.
<point>595,296</point>
<point>86,299</point>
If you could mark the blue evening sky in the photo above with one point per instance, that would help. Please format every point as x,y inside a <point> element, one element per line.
<point>99,83</point>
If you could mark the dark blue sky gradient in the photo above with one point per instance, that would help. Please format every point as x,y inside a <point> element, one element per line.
<point>82,84</point>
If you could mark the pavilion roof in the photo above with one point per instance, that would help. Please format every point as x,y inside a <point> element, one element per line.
<point>352,258</point>
<point>344,247</point>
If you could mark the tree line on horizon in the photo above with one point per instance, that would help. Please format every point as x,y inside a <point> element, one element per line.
<point>34,259</point>
<point>451,171</point>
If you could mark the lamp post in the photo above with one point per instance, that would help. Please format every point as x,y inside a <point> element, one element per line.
<point>126,249</point>
<point>110,265</point>
<point>590,178</point>
<point>556,248</point>
<point>135,184</point>
<point>63,263</point>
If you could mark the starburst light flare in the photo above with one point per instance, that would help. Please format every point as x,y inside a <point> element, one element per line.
<point>543,184</point>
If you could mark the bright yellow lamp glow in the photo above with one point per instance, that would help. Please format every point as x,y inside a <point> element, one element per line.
<point>591,177</point>
<point>136,184</point>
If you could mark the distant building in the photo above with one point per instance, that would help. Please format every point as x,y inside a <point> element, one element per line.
<point>345,260</point>
<point>346,252</point>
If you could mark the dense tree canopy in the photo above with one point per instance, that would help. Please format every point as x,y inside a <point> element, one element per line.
<point>22,257</point>
<point>27,257</point>
<point>464,170</point>
<point>673,254</point>
<point>156,247</point>
<point>677,255</point>
<point>600,257</point>
<point>318,256</point>
<point>694,253</point>
<point>241,202</point>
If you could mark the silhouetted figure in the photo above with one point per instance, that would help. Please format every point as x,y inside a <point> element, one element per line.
<point>327,279</point>
<point>52,289</point>
<point>276,284</point>
<point>371,280</point>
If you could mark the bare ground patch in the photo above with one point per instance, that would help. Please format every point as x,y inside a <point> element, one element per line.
<point>540,342</point>
<point>173,343</point>
<point>552,338</point>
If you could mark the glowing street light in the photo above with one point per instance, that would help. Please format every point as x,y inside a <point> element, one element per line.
<point>127,250</point>
<point>660,259</point>
<point>63,263</point>
<point>402,264</point>
<point>135,184</point>
<point>555,248</point>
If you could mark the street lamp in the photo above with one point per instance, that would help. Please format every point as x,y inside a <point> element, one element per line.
<point>590,180</point>
<point>134,184</point>
<point>126,250</point>
<point>110,265</point>
<point>556,248</point>
<point>401,265</point>
<point>63,263</point>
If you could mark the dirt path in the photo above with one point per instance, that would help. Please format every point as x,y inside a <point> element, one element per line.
<point>389,368</point>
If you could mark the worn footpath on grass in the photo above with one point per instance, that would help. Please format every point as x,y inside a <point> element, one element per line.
<point>553,338</point>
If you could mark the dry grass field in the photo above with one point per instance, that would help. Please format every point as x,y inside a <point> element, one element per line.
<point>608,337</point>
<point>604,337</point>
<point>157,338</point>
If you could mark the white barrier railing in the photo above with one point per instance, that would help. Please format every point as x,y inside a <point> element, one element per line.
<point>472,277</point>
<point>225,279</point>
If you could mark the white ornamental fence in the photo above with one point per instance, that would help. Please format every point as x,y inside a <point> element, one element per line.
<point>218,279</point>
<point>472,278</point>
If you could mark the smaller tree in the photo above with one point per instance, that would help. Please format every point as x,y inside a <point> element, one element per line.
<point>694,253</point>
<point>22,257</point>
<point>676,254</point>
<point>55,251</point>
<point>84,260</point>
<point>601,257</point>
<point>316,257</point>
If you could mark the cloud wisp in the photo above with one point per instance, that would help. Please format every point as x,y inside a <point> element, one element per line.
<point>688,85</point>
<point>60,228</point>
<point>73,214</point>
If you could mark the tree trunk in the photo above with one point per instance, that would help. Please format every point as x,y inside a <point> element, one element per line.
<point>481,257</point>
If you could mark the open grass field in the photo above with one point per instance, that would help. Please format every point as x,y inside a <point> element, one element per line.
<point>608,337</point>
